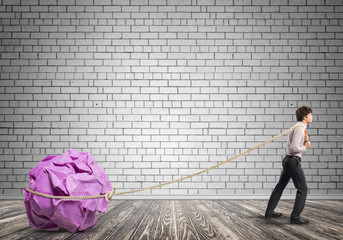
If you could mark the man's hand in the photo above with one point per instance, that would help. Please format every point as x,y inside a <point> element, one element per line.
<point>307,144</point>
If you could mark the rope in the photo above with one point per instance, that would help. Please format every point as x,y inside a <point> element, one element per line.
<point>112,193</point>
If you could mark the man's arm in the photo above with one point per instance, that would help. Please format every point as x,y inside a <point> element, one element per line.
<point>297,143</point>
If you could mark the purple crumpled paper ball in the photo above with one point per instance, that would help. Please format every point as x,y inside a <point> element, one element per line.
<point>74,173</point>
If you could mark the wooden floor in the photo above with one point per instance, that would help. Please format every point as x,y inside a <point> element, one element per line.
<point>188,219</point>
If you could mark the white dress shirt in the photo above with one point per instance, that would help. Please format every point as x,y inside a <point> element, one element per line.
<point>296,141</point>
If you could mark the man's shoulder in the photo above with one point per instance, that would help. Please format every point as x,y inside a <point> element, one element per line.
<point>300,124</point>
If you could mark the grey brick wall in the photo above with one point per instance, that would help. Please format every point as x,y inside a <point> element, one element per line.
<point>159,89</point>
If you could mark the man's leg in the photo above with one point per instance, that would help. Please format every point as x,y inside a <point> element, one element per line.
<point>278,190</point>
<point>298,177</point>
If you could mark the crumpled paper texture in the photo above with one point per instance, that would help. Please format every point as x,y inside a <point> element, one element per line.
<point>74,173</point>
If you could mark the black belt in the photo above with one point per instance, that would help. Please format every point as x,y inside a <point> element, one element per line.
<point>296,157</point>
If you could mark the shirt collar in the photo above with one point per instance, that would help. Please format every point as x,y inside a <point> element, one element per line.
<point>302,124</point>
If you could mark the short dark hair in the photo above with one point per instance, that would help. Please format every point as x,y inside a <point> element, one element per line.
<point>302,112</point>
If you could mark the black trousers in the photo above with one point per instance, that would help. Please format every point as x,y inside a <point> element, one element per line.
<point>291,169</point>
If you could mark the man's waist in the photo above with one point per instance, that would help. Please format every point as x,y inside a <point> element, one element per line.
<point>293,156</point>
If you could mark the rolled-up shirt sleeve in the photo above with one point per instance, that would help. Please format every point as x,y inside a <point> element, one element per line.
<point>297,145</point>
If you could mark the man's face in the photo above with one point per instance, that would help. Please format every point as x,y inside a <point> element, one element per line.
<point>308,118</point>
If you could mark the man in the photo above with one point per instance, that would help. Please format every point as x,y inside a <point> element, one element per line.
<point>298,142</point>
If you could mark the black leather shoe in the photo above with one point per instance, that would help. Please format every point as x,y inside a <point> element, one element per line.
<point>300,221</point>
<point>273,215</point>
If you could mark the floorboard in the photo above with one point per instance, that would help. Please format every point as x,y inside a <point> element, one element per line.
<point>188,219</point>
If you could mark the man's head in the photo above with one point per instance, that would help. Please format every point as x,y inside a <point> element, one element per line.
<point>304,114</point>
